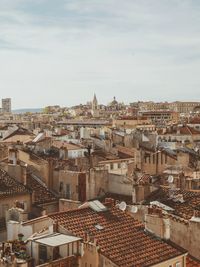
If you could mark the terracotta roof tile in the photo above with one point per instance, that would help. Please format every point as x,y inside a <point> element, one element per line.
<point>184,210</point>
<point>191,262</point>
<point>122,238</point>
<point>9,186</point>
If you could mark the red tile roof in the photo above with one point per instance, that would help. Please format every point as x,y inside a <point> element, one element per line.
<point>184,210</point>
<point>11,187</point>
<point>144,179</point>
<point>122,239</point>
<point>184,130</point>
<point>191,262</point>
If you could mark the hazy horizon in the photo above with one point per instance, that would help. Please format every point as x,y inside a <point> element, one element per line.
<point>62,52</point>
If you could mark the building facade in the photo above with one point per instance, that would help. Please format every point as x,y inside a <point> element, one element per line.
<point>6,105</point>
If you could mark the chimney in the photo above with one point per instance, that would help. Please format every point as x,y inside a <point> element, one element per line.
<point>196,214</point>
<point>157,223</point>
<point>12,156</point>
<point>109,202</point>
<point>85,236</point>
<point>44,212</point>
<point>96,242</point>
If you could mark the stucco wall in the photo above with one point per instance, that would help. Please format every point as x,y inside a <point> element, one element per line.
<point>96,183</point>
<point>8,202</point>
<point>119,184</point>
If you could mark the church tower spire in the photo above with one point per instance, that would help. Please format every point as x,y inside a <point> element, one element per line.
<point>94,103</point>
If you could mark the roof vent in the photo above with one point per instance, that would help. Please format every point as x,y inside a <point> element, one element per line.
<point>97,206</point>
<point>99,227</point>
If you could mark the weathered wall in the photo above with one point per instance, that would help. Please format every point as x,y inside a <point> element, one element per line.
<point>90,257</point>
<point>41,166</point>
<point>119,184</point>
<point>66,177</point>
<point>96,182</point>
<point>8,202</point>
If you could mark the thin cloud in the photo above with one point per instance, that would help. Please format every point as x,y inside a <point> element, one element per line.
<point>134,49</point>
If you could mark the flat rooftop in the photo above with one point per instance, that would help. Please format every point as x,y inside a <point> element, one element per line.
<point>56,240</point>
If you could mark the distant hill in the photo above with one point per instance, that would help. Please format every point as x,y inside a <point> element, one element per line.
<point>24,110</point>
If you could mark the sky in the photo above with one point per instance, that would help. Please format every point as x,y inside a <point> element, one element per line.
<point>62,52</point>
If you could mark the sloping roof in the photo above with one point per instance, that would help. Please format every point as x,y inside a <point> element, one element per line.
<point>68,146</point>
<point>144,179</point>
<point>41,193</point>
<point>15,130</point>
<point>191,262</point>
<point>183,130</point>
<point>120,237</point>
<point>11,187</point>
<point>125,150</point>
<point>184,210</point>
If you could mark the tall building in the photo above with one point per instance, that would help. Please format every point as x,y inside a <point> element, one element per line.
<point>6,105</point>
<point>95,108</point>
<point>94,103</point>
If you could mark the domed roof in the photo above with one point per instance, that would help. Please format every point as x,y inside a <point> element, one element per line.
<point>114,102</point>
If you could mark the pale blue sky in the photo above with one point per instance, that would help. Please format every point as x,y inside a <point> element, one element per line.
<point>62,51</point>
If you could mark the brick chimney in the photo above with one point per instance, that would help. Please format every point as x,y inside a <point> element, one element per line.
<point>109,202</point>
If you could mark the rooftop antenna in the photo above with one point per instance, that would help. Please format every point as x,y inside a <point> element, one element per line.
<point>122,206</point>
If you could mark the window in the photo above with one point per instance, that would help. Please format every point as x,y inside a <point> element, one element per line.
<point>61,187</point>
<point>165,159</point>
<point>161,159</point>
<point>68,191</point>
<point>178,264</point>
<point>42,254</point>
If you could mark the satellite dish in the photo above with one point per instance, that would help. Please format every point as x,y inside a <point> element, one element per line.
<point>134,209</point>
<point>122,206</point>
<point>170,179</point>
